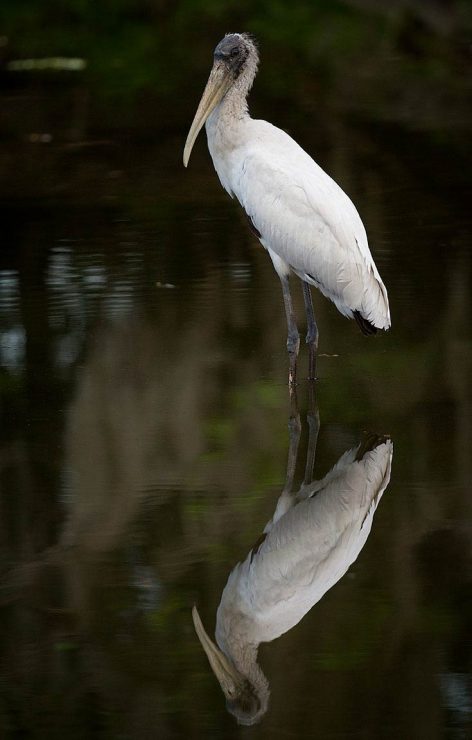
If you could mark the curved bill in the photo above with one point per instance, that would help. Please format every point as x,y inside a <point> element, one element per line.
<point>228,676</point>
<point>218,84</point>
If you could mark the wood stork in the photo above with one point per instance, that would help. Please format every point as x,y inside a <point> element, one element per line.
<point>306,547</point>
<point>300,215</point>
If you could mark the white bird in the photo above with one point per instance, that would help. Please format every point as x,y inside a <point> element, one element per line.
<point>308,545</point>
<point>300,215</point>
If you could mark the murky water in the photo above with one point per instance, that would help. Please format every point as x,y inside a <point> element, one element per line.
<point>144,441</point>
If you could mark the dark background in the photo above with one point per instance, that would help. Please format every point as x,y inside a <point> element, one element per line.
<point>142,343</point>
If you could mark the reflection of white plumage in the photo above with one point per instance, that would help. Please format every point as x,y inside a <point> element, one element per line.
<point>301,216</point>
<point>307,546</point>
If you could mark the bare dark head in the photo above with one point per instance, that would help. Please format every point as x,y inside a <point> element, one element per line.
<point>246,706</point>
<point>234,50</point>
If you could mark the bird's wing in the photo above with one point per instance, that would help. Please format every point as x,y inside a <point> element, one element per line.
<point>308,221</point>
<point>309,548</point>
<point>338,502</point>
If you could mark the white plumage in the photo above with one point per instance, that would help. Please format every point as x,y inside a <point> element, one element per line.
<point>313,538</point>
<point>305,552</point>
<point>302,217</point>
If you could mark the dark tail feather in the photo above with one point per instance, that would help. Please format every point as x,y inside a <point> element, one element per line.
<point>364,325</point>
<point>369,443</point>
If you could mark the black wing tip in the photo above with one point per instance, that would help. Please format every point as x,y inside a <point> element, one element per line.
<point>366,327</point>
<point>258,545</point>
<point>370,443</point>
<point>252,226</point>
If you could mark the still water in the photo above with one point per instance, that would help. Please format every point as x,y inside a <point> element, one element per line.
<point>145,440</point>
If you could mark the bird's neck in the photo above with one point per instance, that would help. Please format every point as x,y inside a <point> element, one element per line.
<point>226,120</point>
<point>243,655</point>
<point>229,117</point>
<point>234,104</point>
<point>227,127</point>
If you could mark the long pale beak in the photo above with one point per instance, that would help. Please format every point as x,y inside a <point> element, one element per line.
<point>218,84</point>
<point>228,676</point>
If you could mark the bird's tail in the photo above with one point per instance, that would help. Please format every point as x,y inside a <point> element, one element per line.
<point>369,443</point>
<point>364,324</point>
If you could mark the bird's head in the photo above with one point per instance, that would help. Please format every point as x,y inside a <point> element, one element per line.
<point>243,700</point>
<point>235,54</point>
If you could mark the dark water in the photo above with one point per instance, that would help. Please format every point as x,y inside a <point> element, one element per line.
<point>144,434</point>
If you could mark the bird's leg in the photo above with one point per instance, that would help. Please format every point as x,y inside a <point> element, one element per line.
<point>294,431</point>
<point>293,338</point>
<point>313,420</point>
<point>312,331</point>
<point>287,498</point>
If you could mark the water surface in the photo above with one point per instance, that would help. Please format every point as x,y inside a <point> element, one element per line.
<point>144,434</point>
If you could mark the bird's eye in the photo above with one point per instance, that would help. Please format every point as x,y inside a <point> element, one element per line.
<point>234,52</point>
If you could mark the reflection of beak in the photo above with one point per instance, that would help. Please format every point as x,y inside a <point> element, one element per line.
<point>218,84</point>
<point>228,676</point>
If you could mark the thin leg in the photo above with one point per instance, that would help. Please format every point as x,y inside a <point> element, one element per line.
<point>313,420</point>
<point>312,331</point>
<point>294,431</point>
<point>287,498</point>
<point>293,338</point>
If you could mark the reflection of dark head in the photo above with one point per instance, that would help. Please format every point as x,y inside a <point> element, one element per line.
<point>245,687</point>
<point>246,706</point>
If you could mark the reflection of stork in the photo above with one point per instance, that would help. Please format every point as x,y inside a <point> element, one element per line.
<point>310,542</point>
<point>301,216</point>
